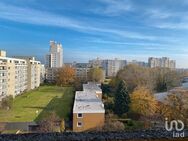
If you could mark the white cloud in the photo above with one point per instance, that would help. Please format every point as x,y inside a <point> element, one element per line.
<point>113,7</point>
<point>31,16</point>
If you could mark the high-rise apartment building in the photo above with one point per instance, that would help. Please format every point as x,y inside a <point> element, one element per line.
<point>55,57</point>
<point>18,74</point>
<point>163,62</point>
<point>53,60</point>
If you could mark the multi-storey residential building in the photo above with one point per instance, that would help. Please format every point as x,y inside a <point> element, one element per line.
<point>3,77</point>
<point>51,74</point>
<point>18,74</point>
<point>82,70</point>
<point>163,62</point>
<point>53,60</point>
<point>172,64</point>
<point>55,57</point>
<point>111,67</point>
<point>42,73</point>
<point>14,75</point>
<point>33,71</point>
<point>88,110</point>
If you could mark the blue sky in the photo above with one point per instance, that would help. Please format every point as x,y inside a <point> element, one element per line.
<point>124,29</point>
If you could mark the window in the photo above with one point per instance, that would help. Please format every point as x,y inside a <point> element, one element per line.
<point>79,124</point>
<point>79,115</point>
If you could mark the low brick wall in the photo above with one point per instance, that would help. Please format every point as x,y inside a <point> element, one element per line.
<point>95,136</point>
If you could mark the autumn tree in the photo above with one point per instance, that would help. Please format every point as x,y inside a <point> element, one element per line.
<point>65,76</point>
<point>96,74</point>
<point>143,102</point>
<point>156,79</point>
<point>135,76</point>
<point>177,101</point>
<point>122,99</point>
<point>165,78</point>
<point>163,110</point>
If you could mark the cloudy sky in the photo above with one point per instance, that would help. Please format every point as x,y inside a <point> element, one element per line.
<point>124,29</point>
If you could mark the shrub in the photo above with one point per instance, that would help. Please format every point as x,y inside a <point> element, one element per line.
<point>7,102</point>
<point>113,126</point>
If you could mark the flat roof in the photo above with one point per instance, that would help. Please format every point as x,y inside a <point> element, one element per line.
<point>92,86</point>
<point>87,102</point>
<point>15,59</point>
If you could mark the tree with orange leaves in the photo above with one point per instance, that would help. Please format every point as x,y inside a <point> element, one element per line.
<point>65,76</point>
<point>143,102</point>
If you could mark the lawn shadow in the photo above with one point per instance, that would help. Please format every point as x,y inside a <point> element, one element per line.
<point>62,106</point>
<point>33,107</point>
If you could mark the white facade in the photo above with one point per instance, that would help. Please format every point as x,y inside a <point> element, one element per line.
<point>55,57</point>
<point>163,62</point>
<point>88,101</point>
<point>53,60</point>
<point>42,73</point>
<point>14,76</point>
<point>18,75</point>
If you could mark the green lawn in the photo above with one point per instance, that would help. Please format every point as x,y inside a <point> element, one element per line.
<point>45,100</point>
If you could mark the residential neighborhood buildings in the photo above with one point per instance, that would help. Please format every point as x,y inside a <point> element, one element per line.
<point>163,62</point>
<point>82,70</point>
<point>33,71</point>
<point>88,110</point>
<point>18,74</point>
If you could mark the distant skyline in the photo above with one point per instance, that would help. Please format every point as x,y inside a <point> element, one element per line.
<point>87,29</point>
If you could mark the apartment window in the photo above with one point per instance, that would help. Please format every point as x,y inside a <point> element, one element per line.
<point>79,124</point>
<point>79,115</point>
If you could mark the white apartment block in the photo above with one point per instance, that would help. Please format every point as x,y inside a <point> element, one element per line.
<point>18,74</point>
<point>51,74</point>
<point>14,76</point>
<point>55,57</point>
<point>33,72</point>
<point>42,73</point>
<point>163,62</point>
<point>53,60</point>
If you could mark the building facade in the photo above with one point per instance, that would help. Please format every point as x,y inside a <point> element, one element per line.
<point>42,73</point>
<point>111,67</point>
<point>53,60</point>
<point>33,71</point>
<point>82,70</point>
<point>14,72</point>
<point>18,74</point>
<point>55,57</point>
<point>163,62</point>
<point>88,110</point>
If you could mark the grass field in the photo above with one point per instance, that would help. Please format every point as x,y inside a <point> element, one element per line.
<point>45,100</point>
